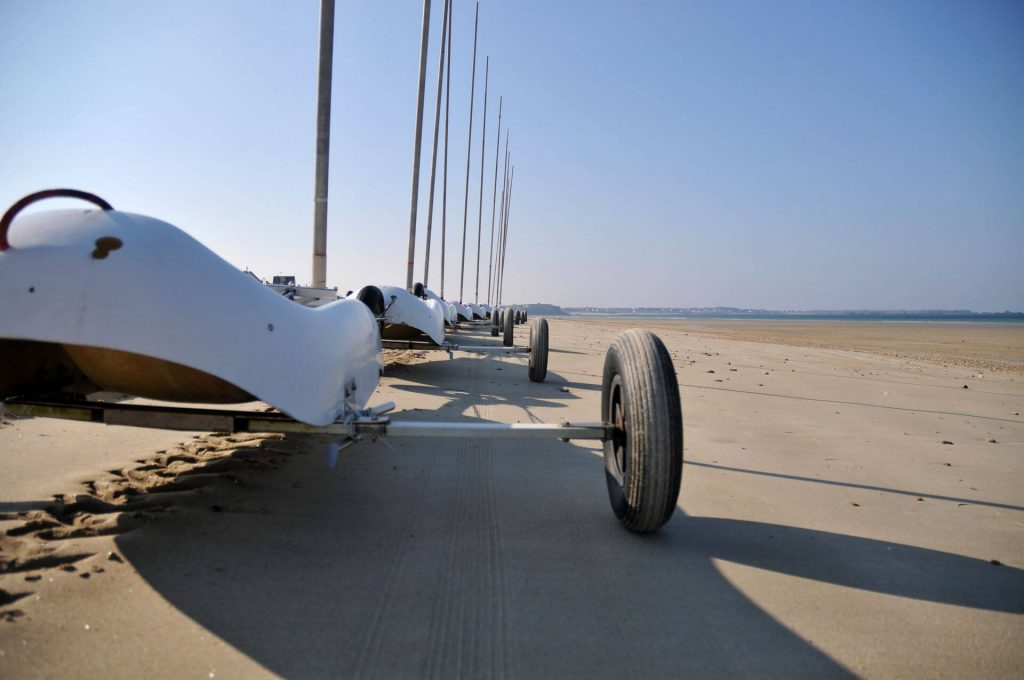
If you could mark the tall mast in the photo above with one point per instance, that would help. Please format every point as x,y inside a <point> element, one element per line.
<point>480,207</point>
<point>447,102</point>
<point>424,40</point>
<point>469,154</point>
<point>494,196</point>
<point>504,225</point>
<point>323,143</point>
<point>501,221</point>
<point>504,249</point>
<point>437,127</point>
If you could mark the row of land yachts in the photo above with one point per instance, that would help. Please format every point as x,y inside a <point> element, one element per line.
<point>101,300</point>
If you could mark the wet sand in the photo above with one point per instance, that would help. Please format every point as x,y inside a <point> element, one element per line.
<point>824,527</point>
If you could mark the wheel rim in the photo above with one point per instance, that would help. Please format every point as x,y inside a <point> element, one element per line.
<point>533,347</point>
<point>619,458</point>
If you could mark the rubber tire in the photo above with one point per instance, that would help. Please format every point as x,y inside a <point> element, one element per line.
<point>418,290</point>
<point>509,324</point>
<point>539,350</point>
<point>495,328</point>
<point>525,317</point>
<point>372,297</point>
<point>639,392</point>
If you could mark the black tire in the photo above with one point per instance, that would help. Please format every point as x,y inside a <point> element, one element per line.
<point>644,456</point>
<point>539,350</point>
<point>525,317</point>
<point>507,340</point>
<point>418,290</point>
<point>495,328</point>
<point>372,297</point>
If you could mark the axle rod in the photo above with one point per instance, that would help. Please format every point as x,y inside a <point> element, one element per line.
<point>362,424</point>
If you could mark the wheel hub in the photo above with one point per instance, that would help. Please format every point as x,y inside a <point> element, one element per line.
<point>616,417</point>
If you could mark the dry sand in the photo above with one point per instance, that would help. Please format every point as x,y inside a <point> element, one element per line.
<point>824,528</point>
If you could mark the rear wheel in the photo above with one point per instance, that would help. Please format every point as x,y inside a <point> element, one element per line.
<point>495,327</point>
<point>644,455</point>
<point>539,350</point>
<point>508,322</point>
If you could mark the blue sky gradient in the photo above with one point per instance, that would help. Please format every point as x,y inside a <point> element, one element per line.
<point>827,155</point>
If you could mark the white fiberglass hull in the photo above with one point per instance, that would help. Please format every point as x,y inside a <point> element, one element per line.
<point>406,316</point>
<point>157,314</point>
<point>447,309</point>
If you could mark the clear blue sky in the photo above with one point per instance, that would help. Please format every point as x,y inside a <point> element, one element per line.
<point>756,154</point>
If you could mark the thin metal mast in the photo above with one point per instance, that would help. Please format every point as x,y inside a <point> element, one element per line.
<point>323,143</point>
<point>469,154</point>
<point>424,40</point>
<point>504,227</point>
<point>501,229</point>
<point>447,102</point>
<point>437,127</point>
<point>501,220</point>
<point>480,208</point>
<point>504,250</point>
<point>494,197</point>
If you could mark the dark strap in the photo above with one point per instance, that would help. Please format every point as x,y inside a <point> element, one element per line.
<point>5,221</point>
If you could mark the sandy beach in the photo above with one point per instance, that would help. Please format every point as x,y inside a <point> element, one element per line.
<point>852,504</point>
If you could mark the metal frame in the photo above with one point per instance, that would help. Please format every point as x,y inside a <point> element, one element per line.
<point>451,347</point>
<point>371,422</point>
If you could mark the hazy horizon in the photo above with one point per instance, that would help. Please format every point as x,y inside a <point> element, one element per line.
<point>847,310</point>
<point>792,155</point>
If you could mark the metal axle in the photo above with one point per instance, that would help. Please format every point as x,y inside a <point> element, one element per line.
<point>366,423</point>
<point>452,347</point>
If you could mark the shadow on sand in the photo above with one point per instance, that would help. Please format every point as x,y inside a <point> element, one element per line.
<point>480,558</point>
<point>483,558</point>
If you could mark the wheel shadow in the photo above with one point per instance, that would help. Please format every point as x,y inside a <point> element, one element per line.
<point>841,402</point>
<point>488,387</point>
<point>433,558</point>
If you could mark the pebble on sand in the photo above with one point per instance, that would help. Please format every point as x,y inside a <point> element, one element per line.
<point>946,441</point>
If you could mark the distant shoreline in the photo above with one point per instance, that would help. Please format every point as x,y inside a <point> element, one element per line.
<point>1012,319</point>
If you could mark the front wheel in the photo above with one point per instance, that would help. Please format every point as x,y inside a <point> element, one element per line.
<point>539,350</point>
<point>508,322</point>
<point>644,455</point>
